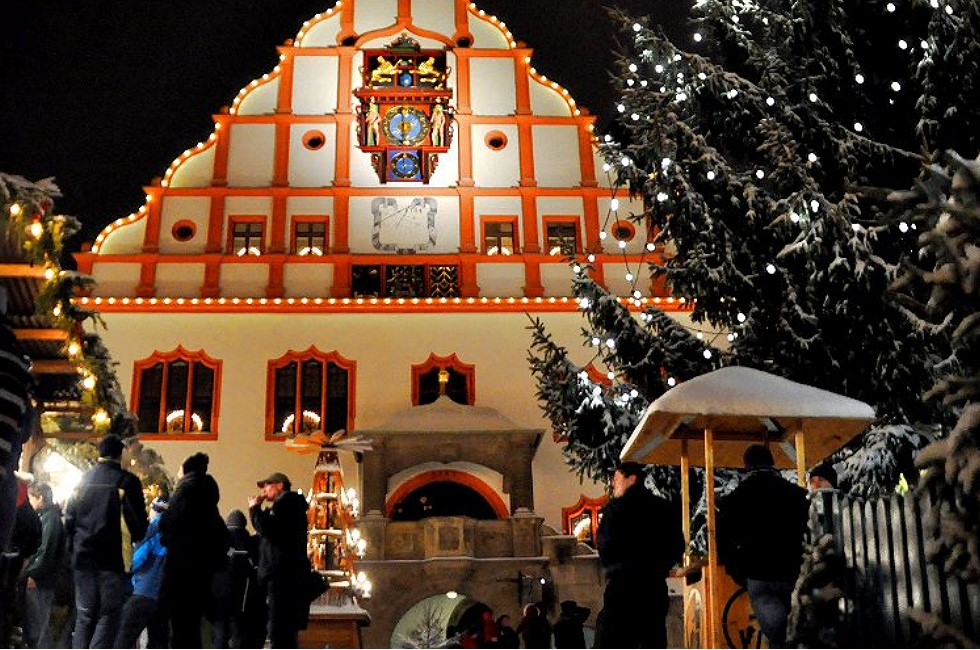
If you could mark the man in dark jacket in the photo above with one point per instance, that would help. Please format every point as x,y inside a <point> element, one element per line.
<point>103,520</point>
<point>639,540</point>
<point>238,617</point>
<point>197,542</point>
<point>42,569</point>
<point>279,517</point>
<point>568,629</point>
<point>761,526</point>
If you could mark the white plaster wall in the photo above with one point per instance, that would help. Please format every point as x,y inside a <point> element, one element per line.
<point>556,278</point>
<point>495,205</point>
<point>126,239</point>
<point>312,168</point>
<point>501,168</point>
<point>493,89</point>
<point>559,205</point>
<point>447,171</point>
<point>251,149</point>
<point>374,14</point>
<point>315,85</point>
<point>196,171</point>
<point>486,35</point>
<point>307,280</point>
<point>434,15</point>
<point>362,174</point>
<point>548,100</point>
<point>244,280</point>
<point>616,282</point>
<point>118,279</point>
<point>556,158</point>
<point>324,33</point>
<point>500,280</point>
<point>184,208</point>
<point>262,99</point>
<point>384,346</point>
<point>247,205</point>
<point>179,280</point>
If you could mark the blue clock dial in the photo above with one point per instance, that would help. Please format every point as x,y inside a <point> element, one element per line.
<point>405,165</point>
<point>406,125</point>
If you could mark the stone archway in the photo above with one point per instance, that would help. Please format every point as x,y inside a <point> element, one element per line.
<point>461,486</point>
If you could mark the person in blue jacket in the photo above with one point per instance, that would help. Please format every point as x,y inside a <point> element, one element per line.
<point>142,610</point>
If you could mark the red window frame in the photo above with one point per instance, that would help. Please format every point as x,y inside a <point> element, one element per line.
<point>166,358</point>
<point>310,354</point>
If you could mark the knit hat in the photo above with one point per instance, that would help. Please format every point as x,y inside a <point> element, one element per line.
<point>758,456</point>
<point>825,471</point>
<point>235,519</point>
<point>196,463</point>
<point>111,446</point>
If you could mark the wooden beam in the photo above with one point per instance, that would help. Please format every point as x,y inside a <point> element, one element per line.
<point>53,367</point>
<point>21,271</point>
<point>41,335</point>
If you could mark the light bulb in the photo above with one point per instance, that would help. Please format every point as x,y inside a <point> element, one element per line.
<point>859,78</point>
<point>710,175</point>
<point>896,86</point>
<point>813,97</point>
<point>614,205</point>
<point>760,174</point>
<point>903,227</point>
<point>858,127</point>
<point>651,246</point>
<point>770,268</point>
<point>658,68</point>
<point>812,157</point>
<point>632,67</point>
<point>602,234</point>
<point>707,354</point>
<point>903,44</point>
<point>697,37</point>
<point>814,205</point>
<point>637,27</point>
<point>770,101</point>
<point>621,243</point>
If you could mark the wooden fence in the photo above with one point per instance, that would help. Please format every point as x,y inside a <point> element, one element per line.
<point>883,544</point>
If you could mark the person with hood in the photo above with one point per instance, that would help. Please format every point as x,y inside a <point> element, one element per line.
<point>142,610</point>
<point>41,571</point>
<point>197,545</point>
<point>639,541</point>
<point>279,517</point>
<point>238,616</point>
<point>103,521</point>
<point>534,628</point>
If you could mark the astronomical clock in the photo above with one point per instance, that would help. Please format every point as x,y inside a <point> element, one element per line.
<point>404,119</point>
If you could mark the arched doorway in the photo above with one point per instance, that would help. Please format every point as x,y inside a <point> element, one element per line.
<point>444,493</point>
<point>433,620</point>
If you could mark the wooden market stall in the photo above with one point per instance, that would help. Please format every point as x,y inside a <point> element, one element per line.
<point>708,422</point>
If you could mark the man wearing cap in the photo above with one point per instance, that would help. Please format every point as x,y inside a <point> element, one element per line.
<point>103,520</point>
<point>279,517</point>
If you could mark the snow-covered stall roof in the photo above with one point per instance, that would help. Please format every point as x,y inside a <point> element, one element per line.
<point>742,406</point>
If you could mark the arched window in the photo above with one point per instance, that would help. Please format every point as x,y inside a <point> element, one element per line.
<point>582,518</point>
<point>460,380</point>
<point>176,394</point>
<point>309,391</point>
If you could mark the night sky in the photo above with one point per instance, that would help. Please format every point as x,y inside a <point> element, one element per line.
<point>104,94</point>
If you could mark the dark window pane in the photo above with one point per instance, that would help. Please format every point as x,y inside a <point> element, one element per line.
<point>561,238</point>
<point>285,396</point>
<point>310,238</point>
<point>366,281</point>
<point>311,400</point>
<point>202,397</point>
<point>151,387</point>
<point>499,238</point>
<point>337,386</point>
<point>456,388</point>
<point>176,401</point>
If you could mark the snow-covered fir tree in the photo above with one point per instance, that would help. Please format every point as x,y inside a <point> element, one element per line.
<point>751,145</point>
<point>946,206</point>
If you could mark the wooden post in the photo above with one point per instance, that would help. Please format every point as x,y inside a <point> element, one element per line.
<point>800,458</point>
<point>685,498</point>
<point>714,616</point>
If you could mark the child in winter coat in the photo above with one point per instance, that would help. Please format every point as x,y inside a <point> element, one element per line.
<point>142,610</point>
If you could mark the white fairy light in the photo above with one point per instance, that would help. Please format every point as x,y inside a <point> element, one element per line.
<point>856,227</point>
<point>677,57</point>
<point>625,162</point>
<point>949,10</point>
<point>770,101</point>
<point>859,78</point>
<point>697,37</point>
<point>643,83</point>
<point>607,138</point>
<point>595,341</point>
<point>584,376</point>
<point>637,294</point>
<point>621,243</point>
<point>814,205</point>
<point>611,344</point>
<point>735,18</point>
<point>614,205</point>
<point>591,257</point>
<point>671,381</point>
<point>651,246</point>
<point>665,162</point>
<point>924,44</point>
<point>658,68</point>
<point>681,96</point>
<point>740,317</point>
<point>813,97</point>
<point>896,86</point>
<point>771,268</point>
<point>630,82</point>
<point>903,44</point>
<point>732,93</point>
<point>661,197</point>
<point>629,277</point>
<point>635,117</point>
<point>606,166</point>
<point>702,76</point>
<point>934,4</point>
<point>812,157</point>
<point>858,127</point>
<point>794,217</point>
<point>707,354</point>
<point>632,67</point>
<point>890,7</point>
<point>621,108</point>
<point>710,175</point>
<point>903,227</point>
<point>699,336</point>
<point>637,27</point>
<point>760,174</point>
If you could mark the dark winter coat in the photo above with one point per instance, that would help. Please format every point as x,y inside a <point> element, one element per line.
<point>569,632</point>
<point>761,527</point>
<point>282,529</point>
<point>535,630</point>
<point>235,585</point>
<point>105,518</point>
<point>44,565</point>
<point>192,528</point>
<point>639,535</point>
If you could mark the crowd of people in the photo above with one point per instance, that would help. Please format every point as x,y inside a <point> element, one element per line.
<point>115,570</point>
<point>534,630</point>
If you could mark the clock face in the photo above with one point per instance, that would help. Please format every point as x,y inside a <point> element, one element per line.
<point>406,125</point>
<point>404,165</point>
